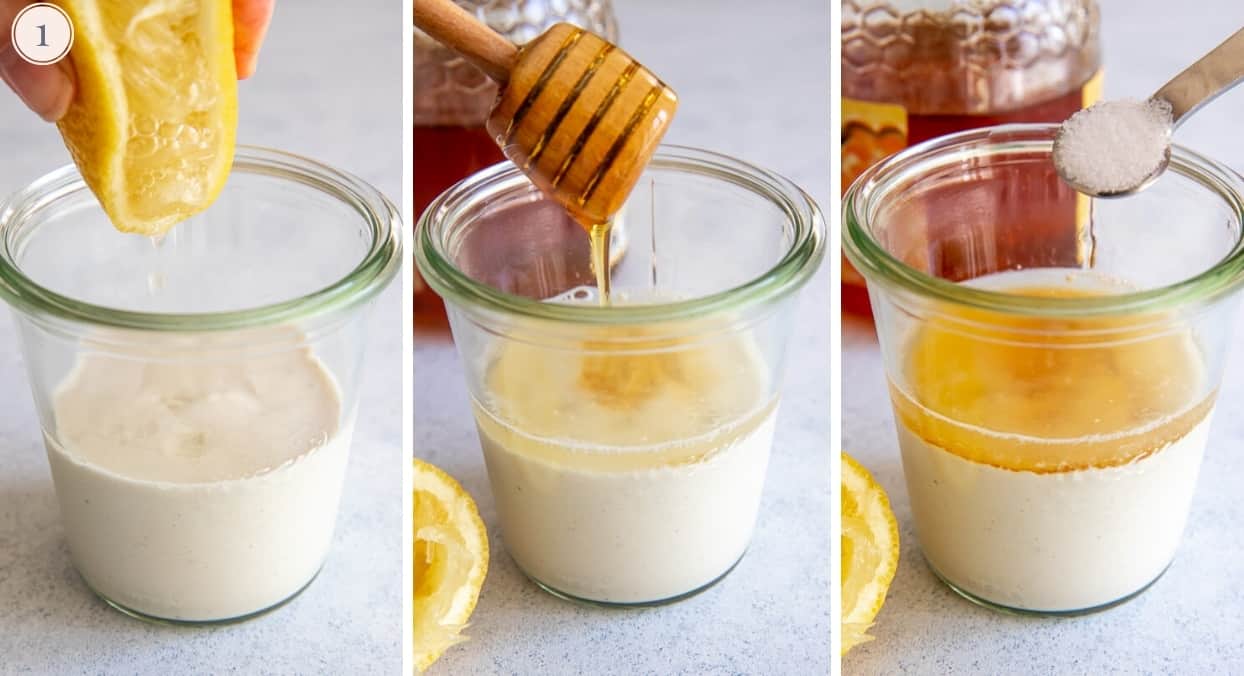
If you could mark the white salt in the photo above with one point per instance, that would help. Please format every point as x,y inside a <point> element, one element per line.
<point>1113,146</point>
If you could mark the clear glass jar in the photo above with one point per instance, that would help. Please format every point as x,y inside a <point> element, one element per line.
<point>1052,410</point>
<point>626,445</point>
<point>452,100</point>
<point>198,395</point>
<point>913,70</point>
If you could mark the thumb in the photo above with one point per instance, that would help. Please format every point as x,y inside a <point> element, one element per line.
<point>47,90</point>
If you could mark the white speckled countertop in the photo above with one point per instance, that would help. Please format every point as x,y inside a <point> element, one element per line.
<point>1190,621</point>
<point>746,89</point>
<point>329,87</point>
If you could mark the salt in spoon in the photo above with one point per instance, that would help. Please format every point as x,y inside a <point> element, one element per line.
<point>1118,148</point>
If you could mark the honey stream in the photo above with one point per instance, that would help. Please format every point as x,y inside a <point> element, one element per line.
<point>599,236</point>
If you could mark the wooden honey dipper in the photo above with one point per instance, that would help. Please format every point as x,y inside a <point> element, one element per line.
<point>578,115</point>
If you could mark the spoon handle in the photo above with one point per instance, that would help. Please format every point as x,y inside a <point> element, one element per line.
<point>457,29</point>
<point>1203,81</point>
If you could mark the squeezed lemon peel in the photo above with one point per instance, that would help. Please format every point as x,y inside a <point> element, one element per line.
<point>451,562</point>
<point>870,551</point>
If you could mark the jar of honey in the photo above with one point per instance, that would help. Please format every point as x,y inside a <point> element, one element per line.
<point>452,100</point>
<point>917,69</point>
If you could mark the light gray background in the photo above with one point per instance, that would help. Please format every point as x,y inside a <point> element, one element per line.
<point>753,82</point>
<point>329,86</point>
<point>1190,622</point>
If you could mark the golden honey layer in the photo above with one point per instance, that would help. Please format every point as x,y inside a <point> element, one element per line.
<point>1051,395</point>
<point>622,401</point>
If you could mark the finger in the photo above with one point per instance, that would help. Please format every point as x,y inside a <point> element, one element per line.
<point>47,90</point>
<point>250,25</point>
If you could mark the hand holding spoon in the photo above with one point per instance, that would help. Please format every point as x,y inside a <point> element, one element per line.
<point>578,115</point>
<point>1117,148</point>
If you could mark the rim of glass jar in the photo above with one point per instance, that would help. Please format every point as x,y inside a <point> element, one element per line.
<point>876,264</point>
<point>790,272</point>
<point>364,281</point>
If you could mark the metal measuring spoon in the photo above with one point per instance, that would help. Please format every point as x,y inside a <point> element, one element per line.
<point>1211,75</point>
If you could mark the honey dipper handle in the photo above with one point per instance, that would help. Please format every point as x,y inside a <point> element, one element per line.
<point>455,28</point>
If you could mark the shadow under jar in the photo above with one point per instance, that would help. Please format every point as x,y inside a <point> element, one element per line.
<point>626,444</point>
<point>197,394</point>
<point>1053,403</point>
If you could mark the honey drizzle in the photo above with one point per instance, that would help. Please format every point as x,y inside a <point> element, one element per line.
<point>599,235</point>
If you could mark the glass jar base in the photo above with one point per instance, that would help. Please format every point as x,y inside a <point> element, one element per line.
<point>593,603</point>
<point>1026,612</point>
<point>153,619</point>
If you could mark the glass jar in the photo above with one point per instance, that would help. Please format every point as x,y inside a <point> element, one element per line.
<point>1052,416</point>
<point>627,444</point>
<point>917,69</point>
<point>197,395</point>
<point>452,100</point>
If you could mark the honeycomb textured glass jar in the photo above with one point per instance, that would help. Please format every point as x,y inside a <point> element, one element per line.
<point>450,91</point>
<point>956,57</point>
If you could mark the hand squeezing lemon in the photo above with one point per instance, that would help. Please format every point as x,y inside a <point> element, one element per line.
<point>151,110</point>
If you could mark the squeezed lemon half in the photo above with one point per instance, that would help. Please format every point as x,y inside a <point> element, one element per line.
<point>451,559</point>
<point>154,115</point>
<point>869,551</point>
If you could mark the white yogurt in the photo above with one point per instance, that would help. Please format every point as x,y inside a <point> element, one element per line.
<point>632,536</point>
<point>1052,542</point>
<point>631,498</point>
<point>198,489</point>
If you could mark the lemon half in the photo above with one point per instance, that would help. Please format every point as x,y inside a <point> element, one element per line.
<point>451,559</point>
<point>154,117</point>
<point>869,551</point>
